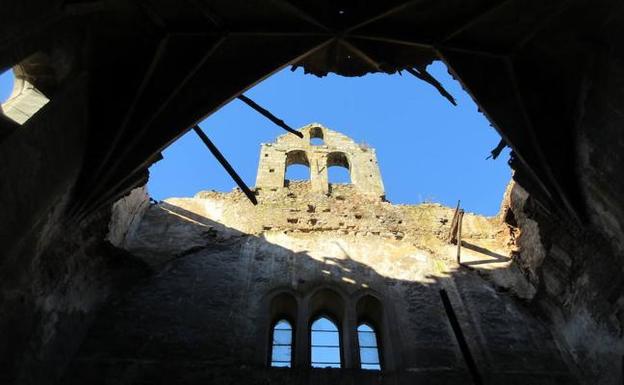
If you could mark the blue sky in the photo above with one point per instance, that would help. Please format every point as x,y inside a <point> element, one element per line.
<point>428,150</point>
<point>6,85</point>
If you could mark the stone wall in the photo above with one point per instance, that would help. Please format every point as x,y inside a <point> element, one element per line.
<point>55,270</point>
<point>578,273</point>
<point>204,314</point>
<point>336,150</point>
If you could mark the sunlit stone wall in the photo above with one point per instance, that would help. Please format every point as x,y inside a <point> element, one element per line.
<point>336,150</point>
<point>218,261</point>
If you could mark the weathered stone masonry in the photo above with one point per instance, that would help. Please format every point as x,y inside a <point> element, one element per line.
<point>220,262</point>
<point>337,150</point>
<point>549,77</point>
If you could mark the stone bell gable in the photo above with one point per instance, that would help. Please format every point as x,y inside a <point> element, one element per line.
<point>336,150</point>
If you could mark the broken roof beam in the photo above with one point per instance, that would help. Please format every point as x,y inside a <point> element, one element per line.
<point>264,112</point>
<point>226,165</point>
<point>496,151</point>
<point>453,231</point>
<point>422,74</point>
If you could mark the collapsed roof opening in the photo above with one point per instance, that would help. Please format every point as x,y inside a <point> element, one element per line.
<point>31,83</point>
<point>547,73</point>
<point>428,148</point>
<point>7,79</point>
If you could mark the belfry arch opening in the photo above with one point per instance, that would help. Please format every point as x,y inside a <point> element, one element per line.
<point>316,136</point>
<point>297,167</point>
<point>338,168</point>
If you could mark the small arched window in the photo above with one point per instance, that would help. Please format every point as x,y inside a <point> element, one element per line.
<point>281,352</point>
<point>338,169</point>
<point>369,350</point>
<point>297,167</point>
<point>316,136</point>
<point>325,344</point>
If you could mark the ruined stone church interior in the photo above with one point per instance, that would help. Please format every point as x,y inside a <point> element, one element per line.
<point>306,282</point>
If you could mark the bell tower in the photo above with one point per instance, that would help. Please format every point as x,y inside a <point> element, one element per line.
<point>319,149</point>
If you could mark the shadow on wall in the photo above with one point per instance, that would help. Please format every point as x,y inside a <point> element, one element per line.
<point>493,257</point>
<point>203,316</point>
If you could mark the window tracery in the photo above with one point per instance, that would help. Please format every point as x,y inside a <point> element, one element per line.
<point>321,329</point>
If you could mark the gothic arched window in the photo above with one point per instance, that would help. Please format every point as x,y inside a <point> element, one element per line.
<point>281,352</point>
<point>369,349</point>
<point>325,344</point>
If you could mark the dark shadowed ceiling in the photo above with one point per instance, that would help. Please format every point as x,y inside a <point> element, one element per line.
<point>157,67</point>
